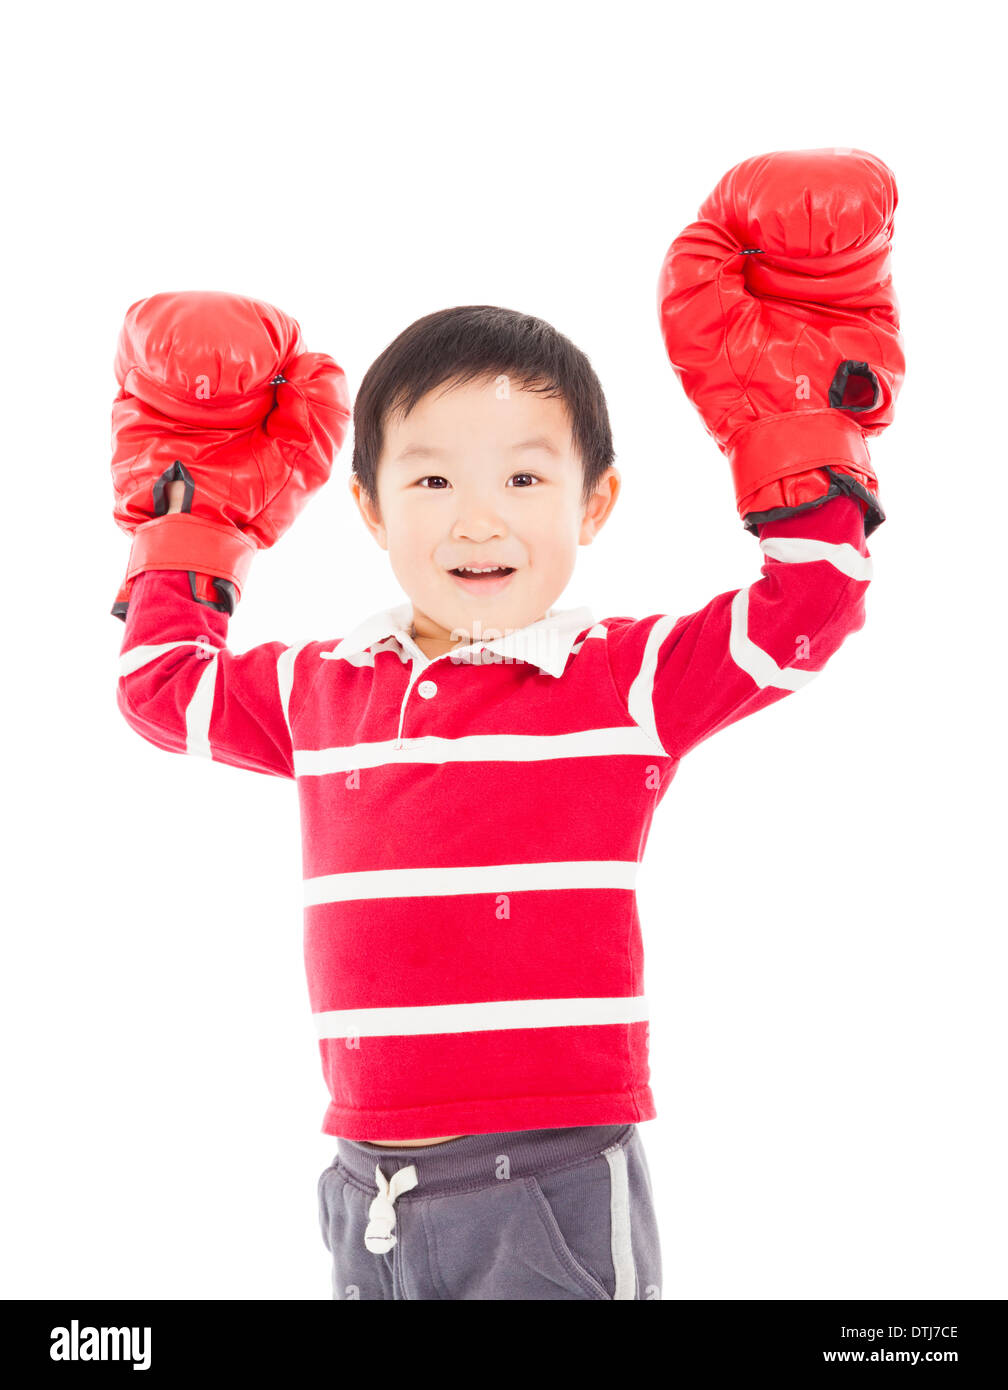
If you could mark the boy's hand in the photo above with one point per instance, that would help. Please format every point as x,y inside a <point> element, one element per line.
<point>223,428</point>
<point>779,315</point>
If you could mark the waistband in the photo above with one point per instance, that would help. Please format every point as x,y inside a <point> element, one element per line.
<point>475,1159</point>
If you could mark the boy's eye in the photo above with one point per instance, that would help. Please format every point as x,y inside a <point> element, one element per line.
<point>437,476</point>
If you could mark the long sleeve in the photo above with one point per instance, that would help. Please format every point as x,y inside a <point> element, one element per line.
<point>683,679</point>
<point>181,688</point>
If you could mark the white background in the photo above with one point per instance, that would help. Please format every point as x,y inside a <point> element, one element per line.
<point>822,893</point>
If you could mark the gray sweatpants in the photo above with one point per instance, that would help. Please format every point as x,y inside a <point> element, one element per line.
<point>525,1214</point>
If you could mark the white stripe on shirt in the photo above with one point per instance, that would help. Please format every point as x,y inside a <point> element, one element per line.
<point>796,550</point>
<point>622,740</point>
<point>455,880</point>
<point>415,1020</point>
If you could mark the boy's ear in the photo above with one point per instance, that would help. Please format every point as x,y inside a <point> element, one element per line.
<point>602,502</point>
<point>368,510</point>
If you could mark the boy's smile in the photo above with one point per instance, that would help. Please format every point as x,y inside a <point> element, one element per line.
<point>488,580</point>
<point>478,475</point>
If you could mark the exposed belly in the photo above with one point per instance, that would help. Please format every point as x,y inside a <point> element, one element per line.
<point>413,1143</point>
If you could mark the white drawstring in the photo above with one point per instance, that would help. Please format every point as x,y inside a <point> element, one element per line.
<point>378,1237</point>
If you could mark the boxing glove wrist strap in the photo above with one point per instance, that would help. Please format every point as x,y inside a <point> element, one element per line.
<point>785,445</point>
<point>180,541</point>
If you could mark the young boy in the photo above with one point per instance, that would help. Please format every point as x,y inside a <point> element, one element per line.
<point>477,770</point>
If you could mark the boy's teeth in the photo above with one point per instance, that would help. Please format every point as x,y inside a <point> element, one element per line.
<point>490,569</point>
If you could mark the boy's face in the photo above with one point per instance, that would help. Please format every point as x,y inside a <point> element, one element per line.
<point>482,474</point>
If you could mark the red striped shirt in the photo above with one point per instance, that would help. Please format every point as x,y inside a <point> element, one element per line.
<point>472,824</point>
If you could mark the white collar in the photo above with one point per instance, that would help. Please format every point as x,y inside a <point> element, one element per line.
<point>546,643</point>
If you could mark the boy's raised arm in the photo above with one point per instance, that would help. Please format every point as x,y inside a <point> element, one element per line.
<point>183,690</point>
<point>222,429</point>
<point>682,679</point>
<point>779,315</point>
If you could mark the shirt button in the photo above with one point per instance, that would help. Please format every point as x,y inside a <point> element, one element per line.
<point>428,689</point>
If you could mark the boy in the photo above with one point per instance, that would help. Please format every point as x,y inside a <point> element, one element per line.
<point>477,770</point>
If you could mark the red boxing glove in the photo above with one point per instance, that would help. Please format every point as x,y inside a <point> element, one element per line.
<point>217,392</point>
<point>779,316</point>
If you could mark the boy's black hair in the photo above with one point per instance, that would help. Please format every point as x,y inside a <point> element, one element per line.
<point>474,342</point>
